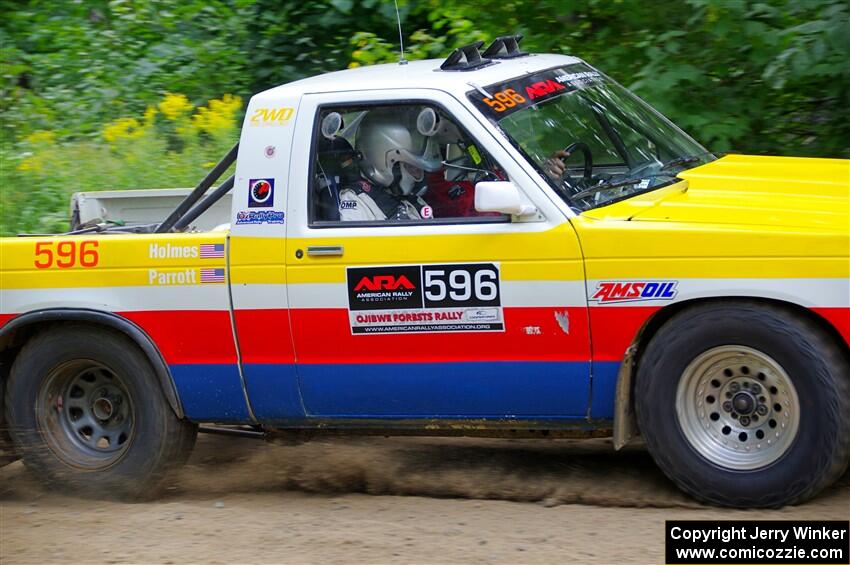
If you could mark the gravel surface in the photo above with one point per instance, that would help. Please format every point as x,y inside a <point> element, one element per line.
<point>376,500</point>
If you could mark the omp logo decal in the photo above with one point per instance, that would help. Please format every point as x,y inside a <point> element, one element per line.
<point>271,116</point>
<point>384,282</point>
<point>607,292</point>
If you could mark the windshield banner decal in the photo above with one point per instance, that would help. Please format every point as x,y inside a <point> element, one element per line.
<point>509,96</point>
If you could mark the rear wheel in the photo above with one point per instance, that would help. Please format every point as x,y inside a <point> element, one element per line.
<point>745,405</point>
<point>85,410</point>
<point>7,454</point>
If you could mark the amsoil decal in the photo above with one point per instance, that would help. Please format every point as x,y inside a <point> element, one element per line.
<point>427,298</point>
<point>634,291</point>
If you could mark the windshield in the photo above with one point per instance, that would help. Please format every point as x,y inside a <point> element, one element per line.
<point>591,139</point>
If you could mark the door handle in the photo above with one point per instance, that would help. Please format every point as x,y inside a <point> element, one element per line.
<point>324,250</point>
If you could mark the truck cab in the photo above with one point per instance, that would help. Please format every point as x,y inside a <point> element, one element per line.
<point>497,244</point>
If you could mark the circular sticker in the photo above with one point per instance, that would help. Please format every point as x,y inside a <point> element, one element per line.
<point>261,191</point>
<point>269,151</point>
<point>426,212</point>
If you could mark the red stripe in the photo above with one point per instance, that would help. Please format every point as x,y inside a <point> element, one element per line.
<point>4,318</point>
<point>324,336</point>
<point>839,318</point>
<point>613,329</point>
<point>264,336</point>
<point>189,336</point>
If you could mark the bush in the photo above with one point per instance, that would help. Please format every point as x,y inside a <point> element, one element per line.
<point>172,144</point>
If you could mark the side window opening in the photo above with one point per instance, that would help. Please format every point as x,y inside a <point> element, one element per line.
<point>401,163</point>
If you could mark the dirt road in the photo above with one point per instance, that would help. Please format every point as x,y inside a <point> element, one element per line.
<point>378,501</point>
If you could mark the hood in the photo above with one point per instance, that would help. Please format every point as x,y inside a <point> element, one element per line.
<point>790,192</point>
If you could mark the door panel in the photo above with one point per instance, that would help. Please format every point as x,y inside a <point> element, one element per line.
<point>524,354</point>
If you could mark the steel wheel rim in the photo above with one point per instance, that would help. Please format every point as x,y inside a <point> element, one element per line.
<point>85,414</point>
<point>737,407</point>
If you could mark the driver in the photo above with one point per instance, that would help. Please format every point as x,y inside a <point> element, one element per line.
<point>554,166</point>
<point>393,162</point>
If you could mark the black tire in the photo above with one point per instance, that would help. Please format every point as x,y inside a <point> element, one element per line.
<point>7,453</point>
<point>41,416</point>
<point>817,368</point>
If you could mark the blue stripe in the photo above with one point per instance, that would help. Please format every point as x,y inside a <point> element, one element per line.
<point>210,393</point>
<point>604,386</point>
<point>509,389</point>
<point>273,390</point>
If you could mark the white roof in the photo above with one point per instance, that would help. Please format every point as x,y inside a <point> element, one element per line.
<point>419,74</point>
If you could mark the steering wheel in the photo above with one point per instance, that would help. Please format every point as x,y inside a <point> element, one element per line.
<point>588,163</point>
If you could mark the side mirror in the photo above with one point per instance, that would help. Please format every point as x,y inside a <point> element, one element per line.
<point>501,196</point>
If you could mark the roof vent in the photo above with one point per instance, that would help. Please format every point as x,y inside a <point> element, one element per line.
<point>466,58</point>
<point>505,47</point>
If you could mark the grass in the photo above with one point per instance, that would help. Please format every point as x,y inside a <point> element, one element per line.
<point>163,149</point>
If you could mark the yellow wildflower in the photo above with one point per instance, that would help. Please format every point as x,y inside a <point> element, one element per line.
<point>37,137</point>
<point>174,106</point>
<point>31,163</point>
<point>122,128</point>
<point>218,115</point>
<point>150,114</point>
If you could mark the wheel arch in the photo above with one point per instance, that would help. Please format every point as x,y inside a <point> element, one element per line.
<point>21,328</point>
<point>625,423</point>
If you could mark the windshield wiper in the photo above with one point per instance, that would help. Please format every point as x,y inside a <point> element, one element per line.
<point>684,160</point>
<point>606,186</point>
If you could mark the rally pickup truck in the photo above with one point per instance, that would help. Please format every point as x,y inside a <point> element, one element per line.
<point>496,244</point>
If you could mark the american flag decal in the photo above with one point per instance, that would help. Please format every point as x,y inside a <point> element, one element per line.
<point>212,275</point>
<point>212,251</point>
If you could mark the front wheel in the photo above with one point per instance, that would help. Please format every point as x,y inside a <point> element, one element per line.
<point>85,410</point>
<point>745,405</point>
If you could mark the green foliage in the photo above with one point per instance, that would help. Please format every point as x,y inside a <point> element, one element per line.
<point>170,147</point>
<point>768,76</point>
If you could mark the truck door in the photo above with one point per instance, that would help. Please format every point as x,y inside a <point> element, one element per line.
<point>404,301</point>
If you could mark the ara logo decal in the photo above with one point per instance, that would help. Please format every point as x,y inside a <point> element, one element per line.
<point>260,193</point>
<point>271,116</point>
<point>608,292</point>
<point>375,288</point>
<point>384,282</point>
<point>543,88</point>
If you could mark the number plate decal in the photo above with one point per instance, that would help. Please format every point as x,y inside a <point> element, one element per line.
<point>66,254</point>
<point>425,298</point>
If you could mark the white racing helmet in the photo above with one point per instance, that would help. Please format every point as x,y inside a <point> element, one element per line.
<point>393,152</point>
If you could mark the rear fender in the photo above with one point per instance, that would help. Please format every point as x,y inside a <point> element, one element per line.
<point>31,320</point>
